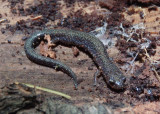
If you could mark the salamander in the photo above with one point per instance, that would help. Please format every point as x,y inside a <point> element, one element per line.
<point>112,74</point>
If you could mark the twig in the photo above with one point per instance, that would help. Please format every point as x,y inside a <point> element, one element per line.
<point>131,63</point>
<point>37,17</point>
<point>46,90</point>
<point>153,68</point>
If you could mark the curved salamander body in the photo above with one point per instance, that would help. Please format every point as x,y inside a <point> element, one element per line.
<point>114,77</point>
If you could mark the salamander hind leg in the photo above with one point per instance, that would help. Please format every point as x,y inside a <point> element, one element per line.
<point>96,74</point>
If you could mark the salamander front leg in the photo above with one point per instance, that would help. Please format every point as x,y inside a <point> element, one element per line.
<point>96,74</point>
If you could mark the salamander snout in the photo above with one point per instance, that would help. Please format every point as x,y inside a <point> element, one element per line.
<point>117,83</point>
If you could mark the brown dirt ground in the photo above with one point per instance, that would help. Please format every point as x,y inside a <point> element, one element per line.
<point>15,67</point>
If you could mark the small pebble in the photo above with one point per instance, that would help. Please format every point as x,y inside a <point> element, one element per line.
<point>24,38</point>
<point>9,41</point>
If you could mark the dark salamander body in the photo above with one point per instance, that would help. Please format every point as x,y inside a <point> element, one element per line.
<point>114,77</point>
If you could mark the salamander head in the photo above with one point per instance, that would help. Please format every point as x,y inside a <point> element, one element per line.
<point>117,81</point>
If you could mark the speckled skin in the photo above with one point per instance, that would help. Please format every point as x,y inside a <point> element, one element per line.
<point>114,77</point>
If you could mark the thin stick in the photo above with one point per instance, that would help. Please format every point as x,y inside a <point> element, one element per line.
<point>46,90</point>
<point>151,60</point>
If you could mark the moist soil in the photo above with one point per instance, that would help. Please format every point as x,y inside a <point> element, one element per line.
<point>24,17</point>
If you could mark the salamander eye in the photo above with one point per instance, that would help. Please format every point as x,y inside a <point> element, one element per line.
<point>111,82</point>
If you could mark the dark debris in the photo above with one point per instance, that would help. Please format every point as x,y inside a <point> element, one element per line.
<point>144,89</point>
